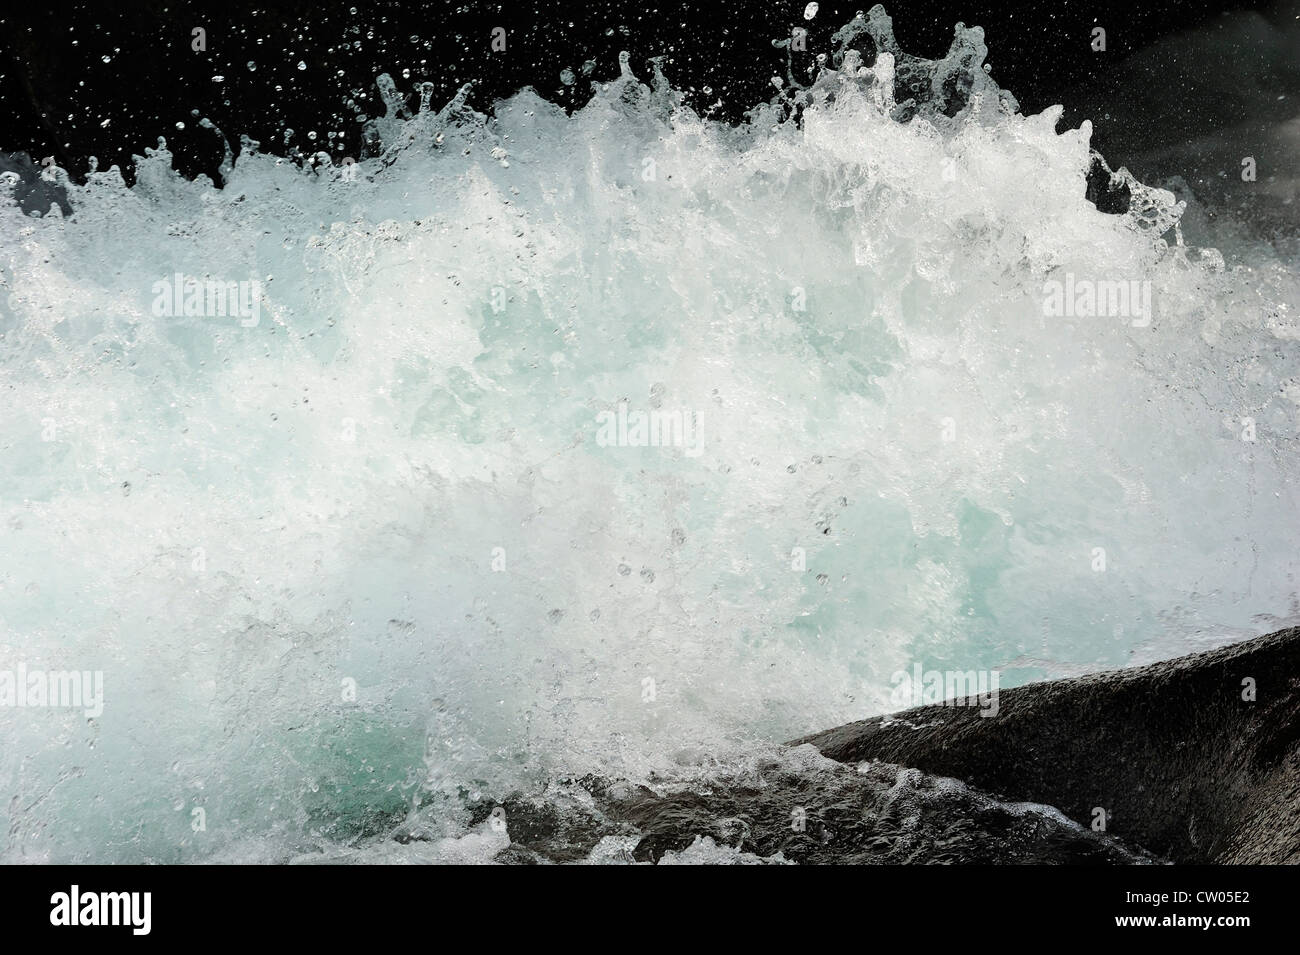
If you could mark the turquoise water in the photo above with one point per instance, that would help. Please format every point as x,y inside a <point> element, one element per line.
<point>369,557</point>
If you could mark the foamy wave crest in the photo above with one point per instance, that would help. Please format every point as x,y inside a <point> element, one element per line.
<point>542,444</point>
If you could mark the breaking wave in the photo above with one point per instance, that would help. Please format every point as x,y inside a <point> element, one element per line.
<point>541,444</point>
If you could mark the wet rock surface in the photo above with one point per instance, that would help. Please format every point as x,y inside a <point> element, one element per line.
<point>1195,759</point>
<point>799,808</point>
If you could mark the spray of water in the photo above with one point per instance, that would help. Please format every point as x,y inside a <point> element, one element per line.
<point>540,444</point>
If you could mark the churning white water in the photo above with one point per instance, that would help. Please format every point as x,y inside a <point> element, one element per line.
<point>545,444</point>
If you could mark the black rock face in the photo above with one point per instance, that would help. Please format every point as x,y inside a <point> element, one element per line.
<point>1195,759</point>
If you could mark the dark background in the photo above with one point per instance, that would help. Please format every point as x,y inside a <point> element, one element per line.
<point>1185,87</point>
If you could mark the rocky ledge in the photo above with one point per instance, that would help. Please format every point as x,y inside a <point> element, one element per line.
<point>1195,760</point>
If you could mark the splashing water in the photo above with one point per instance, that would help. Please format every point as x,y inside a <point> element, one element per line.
<point>543,444</point>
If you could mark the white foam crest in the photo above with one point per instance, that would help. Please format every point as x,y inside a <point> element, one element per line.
<point>231,522</point>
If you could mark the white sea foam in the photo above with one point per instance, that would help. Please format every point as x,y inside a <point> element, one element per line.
<point>369,550</point>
